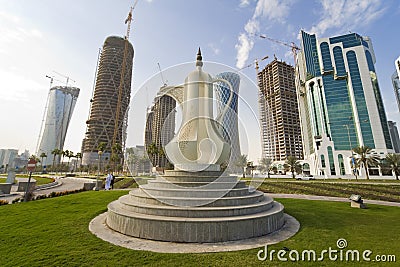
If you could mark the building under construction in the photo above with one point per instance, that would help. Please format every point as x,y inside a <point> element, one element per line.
<point>110,102</point>
<point>280,122</point>
<point>160,128</point>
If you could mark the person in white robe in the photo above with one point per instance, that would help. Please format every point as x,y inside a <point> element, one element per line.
<point>108,181</point>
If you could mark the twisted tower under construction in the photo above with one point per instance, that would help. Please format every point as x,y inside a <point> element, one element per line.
<point>110,102</point>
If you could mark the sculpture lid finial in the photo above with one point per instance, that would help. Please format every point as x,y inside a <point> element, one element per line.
<point>199,59</point>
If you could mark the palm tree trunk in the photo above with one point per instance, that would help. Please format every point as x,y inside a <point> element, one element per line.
<point>366,170</point>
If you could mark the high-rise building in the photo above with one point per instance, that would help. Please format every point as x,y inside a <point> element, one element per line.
<point>60,106</point>
<point>160,129</point>
<point>7,157</point>
<point>394,136</point>
<point>104,118</point>
<point>279,115</point>
<point>230,120</point>
<point>340,102</point>
<point>136,160</point>
<point>396,82</point>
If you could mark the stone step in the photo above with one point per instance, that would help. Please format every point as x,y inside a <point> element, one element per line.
<point>191,212</point>
<point>195,192</point>
<point>138,195</point>
<point>202,178</point>
<point>181,229</point>
<point>212,185</point>
<point>197,174</point>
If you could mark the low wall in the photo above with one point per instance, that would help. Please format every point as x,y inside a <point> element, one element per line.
<point>23,184</point>
<point>5,188</point>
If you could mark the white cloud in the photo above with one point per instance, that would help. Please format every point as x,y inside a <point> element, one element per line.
<point>19,92</point>
<point>277,10</point>
<point>244,3</point>
<point>345,15</point>
<point>252,27</point>
<point>273,10</point>
<point>243,49</point>
<point>12,30</point>
<point>214,48</point>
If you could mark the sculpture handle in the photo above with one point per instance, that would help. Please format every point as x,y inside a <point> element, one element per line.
<point>228,104</point>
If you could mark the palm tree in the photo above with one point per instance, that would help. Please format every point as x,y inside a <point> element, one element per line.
<point>265,164</point>
<point>131,159</point>
<point>69,155</point>
<point>78,156</point>
<point>241,162</point>
<point>55,153</point>
<point>100,150</point>
<point>43,155</point>
<point>293,165</point>
<point>393,160</point>
<point>152,150</point>
<point>116,155</point>
<point>364,157</point>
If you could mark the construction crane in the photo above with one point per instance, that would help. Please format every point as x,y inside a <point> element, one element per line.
<point>128,21</point>
<point>65,76</point>
<point>292,45</point>
<point>255,62</point>
<point>162,77</point>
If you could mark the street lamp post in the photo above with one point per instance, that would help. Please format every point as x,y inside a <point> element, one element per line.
<point>98,171</point>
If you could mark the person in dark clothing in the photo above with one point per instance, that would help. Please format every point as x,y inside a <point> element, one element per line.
<point>112,181</point>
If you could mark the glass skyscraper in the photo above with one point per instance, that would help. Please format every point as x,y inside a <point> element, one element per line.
<point>62,100</point>
<point>230,121</point>
<point>340,102</point>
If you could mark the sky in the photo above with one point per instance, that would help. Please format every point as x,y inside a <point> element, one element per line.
<point>62,39</point>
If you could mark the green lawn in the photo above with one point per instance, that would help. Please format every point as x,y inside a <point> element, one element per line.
<point>386,192</point>
<point>54,232</point>
<point>39,180</point>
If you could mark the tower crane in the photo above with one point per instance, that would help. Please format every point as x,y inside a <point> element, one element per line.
<point>162,77</point>
<point>128,21</point>
<point>65,76</point>
<point>292,45</point>
<point>255,62</point>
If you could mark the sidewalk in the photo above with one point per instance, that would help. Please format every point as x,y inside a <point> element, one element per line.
<point>339,199</point>
<point>64,184</point>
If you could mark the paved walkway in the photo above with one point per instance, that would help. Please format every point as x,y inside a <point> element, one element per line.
<point>340,199</point>
<point>64,184</point>
<point>69,184</point>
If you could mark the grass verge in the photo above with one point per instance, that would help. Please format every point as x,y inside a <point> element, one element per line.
<point>386,192</point>
<point>39,180</point>
<point>54,232</point>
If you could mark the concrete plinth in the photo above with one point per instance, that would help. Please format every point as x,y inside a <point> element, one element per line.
<point>202,207</point>
<point>23,184</point>
<point>5,188</point>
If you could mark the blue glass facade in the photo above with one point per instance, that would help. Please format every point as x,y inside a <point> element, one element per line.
<point>359,96</point>
<point>230,121</point>
<point>379,101</point>
<point>334,108</point>
<point>311,54</point>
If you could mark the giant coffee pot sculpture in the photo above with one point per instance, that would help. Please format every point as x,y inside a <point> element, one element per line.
<point>198,145</point>
<point>196,202</point>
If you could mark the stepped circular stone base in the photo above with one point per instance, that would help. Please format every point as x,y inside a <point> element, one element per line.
<point>99,228</point>
<point>187,207</point>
